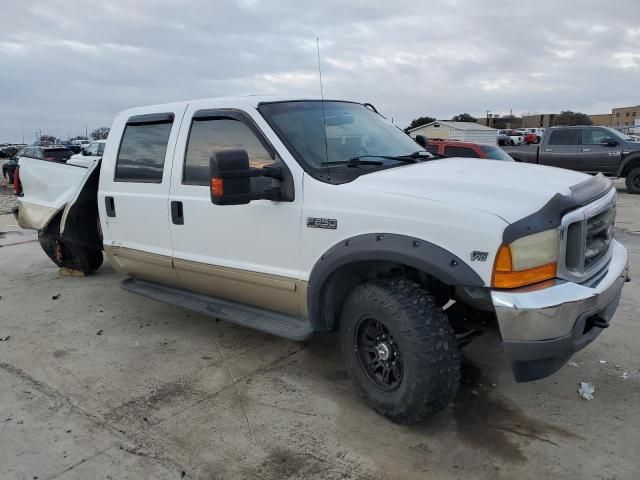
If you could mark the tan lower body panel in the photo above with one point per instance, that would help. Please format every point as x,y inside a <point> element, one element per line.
<point>272,292</point>
<point>142,265</point>
<point>282,294</point>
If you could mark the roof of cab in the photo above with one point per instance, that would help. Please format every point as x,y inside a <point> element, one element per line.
<point>251,100</point>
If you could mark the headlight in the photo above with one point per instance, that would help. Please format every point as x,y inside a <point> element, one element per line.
<point>527,260</point>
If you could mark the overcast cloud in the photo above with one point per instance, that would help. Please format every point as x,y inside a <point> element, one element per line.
<point>67,64</point>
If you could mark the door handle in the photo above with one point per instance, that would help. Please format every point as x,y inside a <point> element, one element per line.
<point>110,206</point>
<point>177,216</point>
<point>586,149</point>
<point>548,149</point>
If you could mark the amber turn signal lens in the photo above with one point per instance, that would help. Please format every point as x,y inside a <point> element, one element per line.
<point>505,277</point>
<point>217,187</point>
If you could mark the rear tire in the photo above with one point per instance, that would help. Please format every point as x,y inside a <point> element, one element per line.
<point>633,181</point>
<point>66,255</point>
<point>397,320</point>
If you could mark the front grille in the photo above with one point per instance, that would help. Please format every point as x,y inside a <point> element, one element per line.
<point>599,236</point>
<point>586,235</point>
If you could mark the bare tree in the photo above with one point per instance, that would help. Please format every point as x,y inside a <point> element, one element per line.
<point>100,133</point>
<point>48,138</point>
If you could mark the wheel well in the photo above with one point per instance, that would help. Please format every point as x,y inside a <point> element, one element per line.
<point>344,279</point>
<point>630,165</point>
<point>82,222</point>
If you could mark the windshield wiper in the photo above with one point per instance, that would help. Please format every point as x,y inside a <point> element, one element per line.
<point>356,161</point>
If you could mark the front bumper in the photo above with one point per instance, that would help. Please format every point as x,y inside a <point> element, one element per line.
<point>541,329</point>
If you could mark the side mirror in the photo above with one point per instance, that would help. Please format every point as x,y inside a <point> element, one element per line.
<point>230,176</point>
<point>85,152</point>
<point>422,141</point>
<point>610,142</point>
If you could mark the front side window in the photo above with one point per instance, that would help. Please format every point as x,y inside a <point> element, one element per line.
<point>208,136</point>
<point>456,151</point>
<point>142,152</point>
<point>325,136</point>
<point>594,136</point>
<point>92,149</point>
<point>567,136</point>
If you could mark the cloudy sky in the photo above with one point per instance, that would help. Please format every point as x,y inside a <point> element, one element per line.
<point>65,64</point>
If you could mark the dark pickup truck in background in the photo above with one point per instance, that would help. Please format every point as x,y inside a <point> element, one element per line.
<point>586,149</point>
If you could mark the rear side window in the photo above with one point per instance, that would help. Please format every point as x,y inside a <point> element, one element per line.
<point>142,152</point>
<point>568,136</point>
<point>211,135</point>
<point>454,151</point>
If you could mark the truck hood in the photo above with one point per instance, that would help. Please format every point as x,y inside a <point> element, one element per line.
<point>509,190</point>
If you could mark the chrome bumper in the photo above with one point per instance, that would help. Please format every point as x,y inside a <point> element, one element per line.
<point>541,329</point>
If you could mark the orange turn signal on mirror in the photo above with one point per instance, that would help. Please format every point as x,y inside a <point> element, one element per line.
<point>217,187</point>
<point>505,277</point>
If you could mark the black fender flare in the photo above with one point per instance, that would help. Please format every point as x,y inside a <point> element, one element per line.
<point>386,247</point>
<point>630,158</point>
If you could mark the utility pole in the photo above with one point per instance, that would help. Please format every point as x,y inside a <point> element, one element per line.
<point>86,134</point>
<point>22,135</point>
<point>488,112</point>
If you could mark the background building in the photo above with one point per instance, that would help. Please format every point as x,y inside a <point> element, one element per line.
<point>601,119</point>
<point>623,118</point>
<point>541,120</point>
<point>501,122</point>
<point>464,131</point>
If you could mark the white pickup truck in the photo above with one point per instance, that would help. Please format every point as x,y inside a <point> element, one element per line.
<point>295,216</point>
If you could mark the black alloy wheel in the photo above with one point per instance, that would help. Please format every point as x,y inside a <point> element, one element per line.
<point>379,354</point>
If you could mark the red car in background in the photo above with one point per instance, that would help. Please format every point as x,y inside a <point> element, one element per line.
<point>457,148</point>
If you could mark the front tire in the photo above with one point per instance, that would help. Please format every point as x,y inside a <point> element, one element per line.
<point>400,349</point>
<point>633,181</point>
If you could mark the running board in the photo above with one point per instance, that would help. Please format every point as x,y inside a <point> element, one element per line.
<point>267,321</point>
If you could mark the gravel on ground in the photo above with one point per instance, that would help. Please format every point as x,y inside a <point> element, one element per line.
<point>8,201</point>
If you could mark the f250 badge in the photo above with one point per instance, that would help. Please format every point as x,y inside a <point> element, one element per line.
<point>328,223</point>
<point>477,256</point>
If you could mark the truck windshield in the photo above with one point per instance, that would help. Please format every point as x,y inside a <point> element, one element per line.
<point>496,153</point>
<point>618,134</point>
<point>349,130</point>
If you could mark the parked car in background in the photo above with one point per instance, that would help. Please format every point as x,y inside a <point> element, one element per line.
<point>8,151</point>
<point>589,150</point>
<point>82,143</point>
<point>75,148</point>
<point>57,153</point>
<point>503,137</point>
<point>456,148</point>
<point>533,135</point>
<point>9,168</point>
<point>92,153</point>
<point>515,137</point>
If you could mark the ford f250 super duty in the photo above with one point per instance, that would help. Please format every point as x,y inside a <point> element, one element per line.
<point>586,149</point>
<point>301,216</point>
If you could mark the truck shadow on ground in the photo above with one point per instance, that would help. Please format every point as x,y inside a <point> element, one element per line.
<point>488,421</point>
<point>480,416</point>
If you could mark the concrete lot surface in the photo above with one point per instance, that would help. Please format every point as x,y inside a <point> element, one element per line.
<point>96,383</point>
